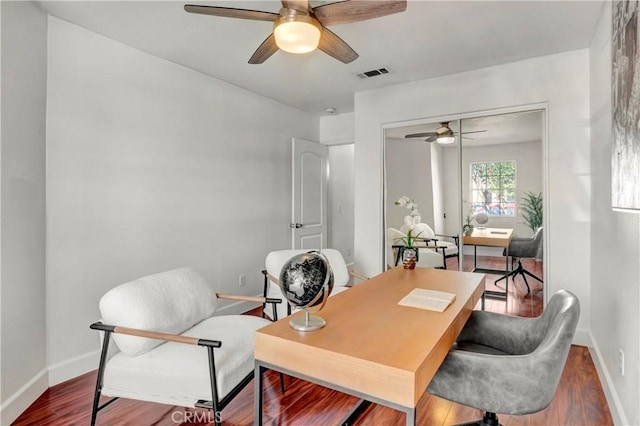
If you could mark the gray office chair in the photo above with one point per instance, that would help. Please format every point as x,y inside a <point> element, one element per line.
<point>524,248</point>
<point>510,365</point>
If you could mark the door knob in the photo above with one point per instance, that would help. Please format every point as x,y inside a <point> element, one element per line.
<point>295,225</point>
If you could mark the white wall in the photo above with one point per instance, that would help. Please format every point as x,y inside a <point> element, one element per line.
<point>337,131</point>
<point>615,248</point>
<point>439,189</point>
<point>340,200</point>
<point>408,172</point>
<point>560,80</point>
<point>153,166</point>
<point>23,375</point>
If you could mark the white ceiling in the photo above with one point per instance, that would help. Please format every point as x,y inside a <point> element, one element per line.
<point>429,39</point>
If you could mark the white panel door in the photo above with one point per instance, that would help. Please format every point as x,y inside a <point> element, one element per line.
<point>309,212</point>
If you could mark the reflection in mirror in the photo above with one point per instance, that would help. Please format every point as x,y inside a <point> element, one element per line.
<point>489,179</point>
<point>502,185</point>
<point>426,173</point>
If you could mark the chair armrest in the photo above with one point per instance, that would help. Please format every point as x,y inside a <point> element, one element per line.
<point>155,335</point>
<point>357,275</point>
<point>454,237</point>
<point>248,298</point>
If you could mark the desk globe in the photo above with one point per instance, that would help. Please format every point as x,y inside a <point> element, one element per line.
<point>481,219</point>
<point>307,280</point>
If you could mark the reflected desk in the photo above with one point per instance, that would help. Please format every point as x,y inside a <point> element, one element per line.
<point>372,347</point>
<point>491,237</point>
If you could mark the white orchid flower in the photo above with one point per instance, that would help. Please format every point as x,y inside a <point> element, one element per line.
<point>402,201</point>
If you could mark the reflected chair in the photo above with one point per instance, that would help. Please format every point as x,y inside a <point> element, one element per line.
<point>168,347</point>
<point>524,248</point>
<point>509,365</point>
<point>427,257</point>
<point>274,262</point>
<point>445,244</point>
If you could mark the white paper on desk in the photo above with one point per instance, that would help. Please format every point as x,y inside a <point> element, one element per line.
<point>432,300</point>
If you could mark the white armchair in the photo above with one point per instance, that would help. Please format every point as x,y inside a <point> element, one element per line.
<point>169,348</point>
<point>445,244</point>
<point>427,257</point>
<point>274,262</point>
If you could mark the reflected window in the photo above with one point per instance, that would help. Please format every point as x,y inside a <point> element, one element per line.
<point>493,188</point>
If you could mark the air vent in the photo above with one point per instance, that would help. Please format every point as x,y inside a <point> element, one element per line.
<point>373,73</point>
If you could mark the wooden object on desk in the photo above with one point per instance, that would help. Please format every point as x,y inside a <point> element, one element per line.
<point>492,237</point>
<point>371,345</point>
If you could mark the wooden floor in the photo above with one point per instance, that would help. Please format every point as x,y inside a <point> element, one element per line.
<point>578,401</point>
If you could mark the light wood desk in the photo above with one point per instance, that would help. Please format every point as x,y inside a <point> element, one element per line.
<point>371,347</point>
<point>491,237</point>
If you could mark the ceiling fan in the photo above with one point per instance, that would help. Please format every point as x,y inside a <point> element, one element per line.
<point>300,28</point>
<point>443,134</point>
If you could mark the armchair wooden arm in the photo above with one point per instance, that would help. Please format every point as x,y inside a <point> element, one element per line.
<point>263,300</point>
<point>155,335</point>
<point>357,275</point>
<point>248,298</point>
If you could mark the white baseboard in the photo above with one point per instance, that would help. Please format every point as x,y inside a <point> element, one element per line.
<point>615,406</point>
<point>24,397</point>
<point>582,337</point>
<point>74,367</point>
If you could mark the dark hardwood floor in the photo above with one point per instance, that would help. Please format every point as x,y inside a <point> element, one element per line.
<point>578,401</point>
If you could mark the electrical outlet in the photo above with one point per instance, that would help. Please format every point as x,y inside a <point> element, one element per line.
<point>242,280</point>
<point>621,362</point>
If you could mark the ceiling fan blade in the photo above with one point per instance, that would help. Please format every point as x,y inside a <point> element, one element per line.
<point>299,5</point>
<point>431,138</point>
<point>229,12</point>
<point>474,131</point>
<point>334,46</point>
<point>348,11</point>
<point>422,135</point>
<point>264,51</point>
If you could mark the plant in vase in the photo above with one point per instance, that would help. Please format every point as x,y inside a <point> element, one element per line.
<point>409,251</point>
<point>467,228</point>
<point>531,209</point>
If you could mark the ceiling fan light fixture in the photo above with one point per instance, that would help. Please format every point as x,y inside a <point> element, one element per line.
<point>297,33</point>
<point>445,139</point>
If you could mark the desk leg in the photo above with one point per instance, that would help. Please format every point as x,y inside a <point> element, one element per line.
<point>257,399</point>
<point>475,257</point>
<point>355,412</point>
<point>411,417</point>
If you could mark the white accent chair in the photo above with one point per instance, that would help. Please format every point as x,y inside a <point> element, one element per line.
<point>445,244</point>
<point>274,262</point>
<point>427,257</point>
<point>169,348</point>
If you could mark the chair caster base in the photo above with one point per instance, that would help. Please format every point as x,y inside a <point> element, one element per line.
<point>489,419</point>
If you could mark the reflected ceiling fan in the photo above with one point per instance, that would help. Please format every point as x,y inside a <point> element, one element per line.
<point>443,134</point>
<point>300,28</point>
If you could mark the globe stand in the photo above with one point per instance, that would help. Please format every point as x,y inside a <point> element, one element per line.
<point>307,322</point>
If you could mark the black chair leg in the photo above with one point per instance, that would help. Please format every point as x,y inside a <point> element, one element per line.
<point>489,419</point>
<point>519,270</point>
<point>282,383</point>
<point>531,275</point>
<point>524,277</point>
